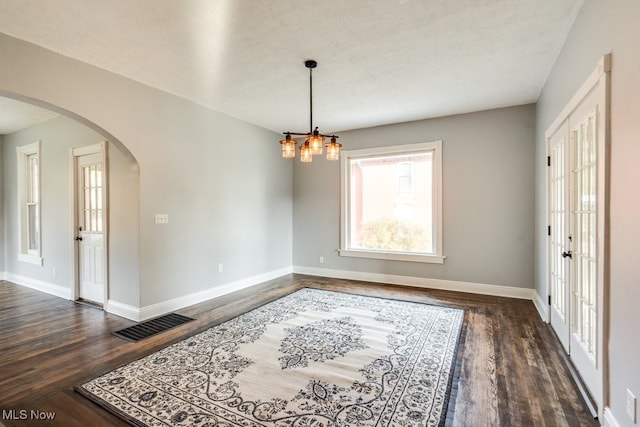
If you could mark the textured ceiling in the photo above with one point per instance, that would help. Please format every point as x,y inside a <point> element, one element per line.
<point>380,62</point>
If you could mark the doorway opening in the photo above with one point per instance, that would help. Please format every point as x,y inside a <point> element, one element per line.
<point>577,245</point>
<point>90,207</point>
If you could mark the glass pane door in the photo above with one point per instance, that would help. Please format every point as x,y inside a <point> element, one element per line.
<point>584,213</point>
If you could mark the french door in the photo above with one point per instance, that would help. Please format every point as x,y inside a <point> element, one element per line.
<point>559,234</point>
<point>577,209</point>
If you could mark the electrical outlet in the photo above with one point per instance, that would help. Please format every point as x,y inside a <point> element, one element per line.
<point>219,268</point>
<point>321,260</point>
<point>631,406</point>
<point>162,219</point>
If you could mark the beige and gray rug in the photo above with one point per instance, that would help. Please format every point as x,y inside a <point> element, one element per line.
<point>312,358</point>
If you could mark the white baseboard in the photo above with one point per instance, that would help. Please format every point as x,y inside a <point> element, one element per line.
<point>421,282</point>
<point>39,285</point>
<point>541,306</point>
<point>609,419</point>
<point>123,310</point>
<point>164,307</point>
<point>139,314</point>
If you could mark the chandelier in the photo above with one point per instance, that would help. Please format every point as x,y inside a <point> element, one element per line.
<point>314,142</point>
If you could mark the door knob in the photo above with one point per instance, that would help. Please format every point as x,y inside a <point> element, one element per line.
<point>564,254</point>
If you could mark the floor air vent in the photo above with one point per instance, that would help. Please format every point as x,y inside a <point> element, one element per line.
<point>152,327</point>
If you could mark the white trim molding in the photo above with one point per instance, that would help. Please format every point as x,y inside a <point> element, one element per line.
<point>541,306</point>
<point>421,282</point>
<point>29,190</point>
<point>164,307</point>
<point>123,310</point>
<point>74,154</point>
<point>139,314</point>
<point>31,259</point>
<point>346,177</point>
<point>603,67</point>
<point>39,285</point>
<point>592,98</point>
<point>609,419</point>
<point>392,256</point>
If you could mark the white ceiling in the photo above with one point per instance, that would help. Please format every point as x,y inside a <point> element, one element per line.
<point>379,62</point>
<point>16,115</point>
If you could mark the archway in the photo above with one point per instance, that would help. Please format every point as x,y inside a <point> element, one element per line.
<point>57,272</point>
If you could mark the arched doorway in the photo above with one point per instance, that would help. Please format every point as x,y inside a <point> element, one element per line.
<point>62,137</point>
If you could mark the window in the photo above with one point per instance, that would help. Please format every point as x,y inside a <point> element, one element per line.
<point>392,203</point>
<point>91,187</point>
<point>29,203</point>
<point>405,177</point>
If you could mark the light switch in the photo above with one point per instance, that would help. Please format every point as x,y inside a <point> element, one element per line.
<point>162,219</point>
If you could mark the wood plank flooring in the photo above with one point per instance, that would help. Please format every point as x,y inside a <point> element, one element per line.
<point>511,371</point>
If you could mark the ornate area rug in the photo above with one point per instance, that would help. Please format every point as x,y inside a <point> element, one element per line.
<point>312,358</point>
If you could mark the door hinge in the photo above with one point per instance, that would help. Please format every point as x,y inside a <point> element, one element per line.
<point>549,299</point>
<point>548,230</point>
<point>548,160</point>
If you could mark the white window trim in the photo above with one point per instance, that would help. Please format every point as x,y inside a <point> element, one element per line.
<point>437,257</point>
<point>24,254</point>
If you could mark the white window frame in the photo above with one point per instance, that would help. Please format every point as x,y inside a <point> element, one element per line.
<point>25,254</point>
<point>345,185</point>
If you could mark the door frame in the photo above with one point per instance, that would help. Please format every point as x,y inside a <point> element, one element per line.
<point>563,336</point>
<point>599,79</point>
<point>74,153</point>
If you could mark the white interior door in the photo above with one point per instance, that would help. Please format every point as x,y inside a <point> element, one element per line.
<point>577,239</point>
<point>90,227</point>
<point>559,236</point>
<point>587,229</point>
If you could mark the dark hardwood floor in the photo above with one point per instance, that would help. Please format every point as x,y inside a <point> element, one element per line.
<point>511,371</point>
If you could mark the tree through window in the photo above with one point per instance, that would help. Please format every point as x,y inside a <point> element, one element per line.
<point>392,203</point>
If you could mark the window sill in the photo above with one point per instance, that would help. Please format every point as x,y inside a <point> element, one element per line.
<point>392,256</point>
<point>31,259</point>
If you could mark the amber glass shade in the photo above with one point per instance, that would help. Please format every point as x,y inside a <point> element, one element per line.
<point>288,147</point>
<point>333,149</point>
<point>315,143</point>
<point>305,153</point>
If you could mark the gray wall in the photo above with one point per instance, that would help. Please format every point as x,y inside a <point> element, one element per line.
<point>57,137</point>
<point>221,181</point>
<point>124,230</point>
<point>602,27</point>
<point>488,202</point>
